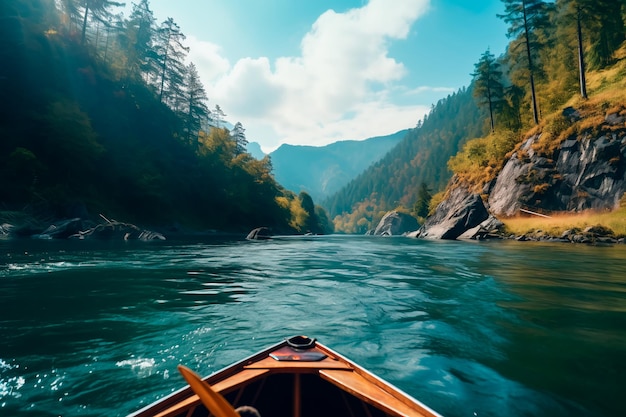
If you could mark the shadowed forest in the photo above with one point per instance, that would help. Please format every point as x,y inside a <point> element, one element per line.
<point>101,114</point>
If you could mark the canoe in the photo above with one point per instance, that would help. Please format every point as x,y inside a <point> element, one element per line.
<point>298,377</point>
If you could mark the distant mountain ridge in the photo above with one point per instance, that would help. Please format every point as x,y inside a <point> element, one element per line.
<point>255,150</point>
<point>322,171</point>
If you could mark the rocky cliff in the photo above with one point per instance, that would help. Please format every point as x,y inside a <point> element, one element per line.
<point>586,171</point>
<point>584,168</point>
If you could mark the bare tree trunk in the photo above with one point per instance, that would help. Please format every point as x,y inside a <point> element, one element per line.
<point>581,57</point>
<point>530,67</point>
<point>490,106</point>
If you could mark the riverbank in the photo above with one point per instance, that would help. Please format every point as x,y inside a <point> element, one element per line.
<point>17,224</point>
<point>593,228</point>
<point>584,227</point>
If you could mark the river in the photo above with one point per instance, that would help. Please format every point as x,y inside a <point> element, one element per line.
<point>471,329</point>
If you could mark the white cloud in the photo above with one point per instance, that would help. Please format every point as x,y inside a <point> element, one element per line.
<point>206,56</point>
<point>334,90</point>
<point>427,89</point>
<point>249,89</point>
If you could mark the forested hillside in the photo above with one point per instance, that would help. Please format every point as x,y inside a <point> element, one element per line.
<point>322,170</point>
<point>559,79</point>
<point>100,114</point>
<point>421,157</point>
<point>560,76</point>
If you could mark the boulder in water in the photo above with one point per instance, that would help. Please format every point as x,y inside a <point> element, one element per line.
<point>459,212</point>
<point>260,233</point>
<point>395,223</point>
<point>117,230</point>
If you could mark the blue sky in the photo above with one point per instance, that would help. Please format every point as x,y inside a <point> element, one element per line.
<point>312,72</point>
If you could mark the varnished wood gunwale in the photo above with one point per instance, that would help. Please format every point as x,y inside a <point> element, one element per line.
<point>334,369</point>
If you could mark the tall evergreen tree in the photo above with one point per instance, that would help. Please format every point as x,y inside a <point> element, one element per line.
<point>605,22</point>
<point>311,222</point>
<point>195,109</point>
<point>422,204</point>
<point>217,116</point>
<point>112,31</point>
<point>525,17</point>
<point>170,59</point>
<point>70,11</point>
<point>510,114</point>
<point>488,87</point>
<point>138,39</point>
<point>100,12</point>
<point>239,136</point>
<point>581,52</point>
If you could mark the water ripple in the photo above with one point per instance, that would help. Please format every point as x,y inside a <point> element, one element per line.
<point>467,328</point>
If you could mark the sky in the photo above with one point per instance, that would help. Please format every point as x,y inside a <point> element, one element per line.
<point>313,72</point>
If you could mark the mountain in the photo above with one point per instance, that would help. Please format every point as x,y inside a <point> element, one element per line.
<point>421,157</point>
<point>321,171</point>
<point>255,150</point>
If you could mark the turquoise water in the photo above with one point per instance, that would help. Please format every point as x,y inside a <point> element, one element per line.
<point>470,329</point>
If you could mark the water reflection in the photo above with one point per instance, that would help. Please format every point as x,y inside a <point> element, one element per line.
<point>568,332</point>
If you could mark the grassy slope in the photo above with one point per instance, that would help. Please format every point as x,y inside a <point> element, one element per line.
<point>607,94</point>
<point>556,225</point>
<point>481,159</point>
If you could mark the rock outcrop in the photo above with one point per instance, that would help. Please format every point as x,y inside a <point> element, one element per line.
<point>586,171</point>
<point>5,229</point>
<point>78,228</point>
<point>63,229</point>
<point>260,233</point>
<point>489,229</point>
<point>459,212</point>
<point>117,230</point>
<point>395,223</point>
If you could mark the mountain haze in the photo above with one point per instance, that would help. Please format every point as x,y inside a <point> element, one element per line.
<point>255,150</point>
<point>321,171</point>
<point>421,157</point>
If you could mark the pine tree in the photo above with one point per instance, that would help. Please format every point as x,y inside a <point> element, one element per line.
<point>99,10</point>
<point>422,204</point>
<point>70,11</point>
<point>525,17</point>
<point>137,41</point>
<point>488,87</point>
<point>217,116</point>
<point>239,136</point>
<point>311,222</point>
<point>605,24</point>
<point>195,109</point>
<point>170,59</point>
